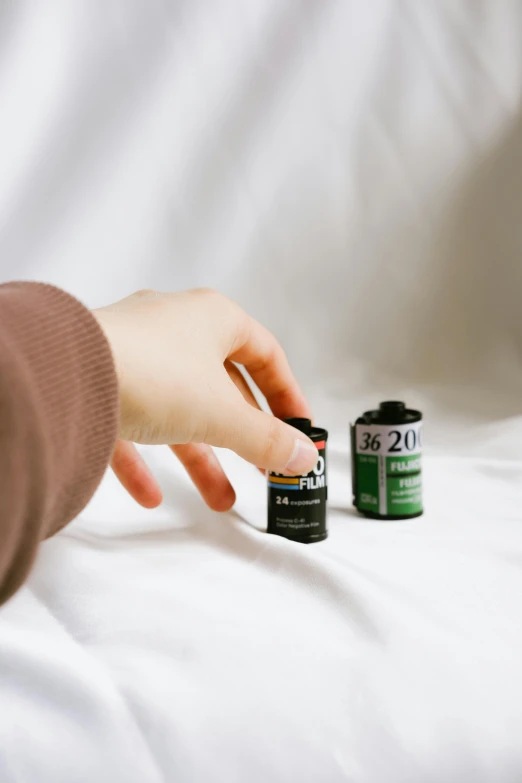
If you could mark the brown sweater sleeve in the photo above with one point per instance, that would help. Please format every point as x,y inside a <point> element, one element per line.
<point>58,418</point>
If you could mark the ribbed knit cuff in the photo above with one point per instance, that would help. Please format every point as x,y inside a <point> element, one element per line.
<point>68,364</point>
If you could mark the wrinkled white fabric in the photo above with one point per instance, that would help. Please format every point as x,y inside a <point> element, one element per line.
<point>351,172</point>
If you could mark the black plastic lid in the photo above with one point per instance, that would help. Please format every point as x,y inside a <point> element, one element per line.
<point>390,412</point>
<point>305,425</point>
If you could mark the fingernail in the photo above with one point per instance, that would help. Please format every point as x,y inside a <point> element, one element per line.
<point>304,457</point>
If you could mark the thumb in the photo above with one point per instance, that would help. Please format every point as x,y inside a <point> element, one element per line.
<point>269,443</point>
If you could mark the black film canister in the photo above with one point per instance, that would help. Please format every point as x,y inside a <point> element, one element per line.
<point>297,504</point>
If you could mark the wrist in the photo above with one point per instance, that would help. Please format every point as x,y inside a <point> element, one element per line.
<point>104,322</point>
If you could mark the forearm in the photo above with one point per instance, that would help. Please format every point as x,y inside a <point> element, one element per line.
<point>58,419</point>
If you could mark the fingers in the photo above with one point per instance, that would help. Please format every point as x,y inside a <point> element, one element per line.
<point>199,461</point>
<point>134,475</point>
<point>264,359</point>
<point>264,440</point>
<point>204,469</point>
<point>241,383</point>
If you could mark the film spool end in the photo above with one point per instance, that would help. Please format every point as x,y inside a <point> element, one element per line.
<point>394,406</point>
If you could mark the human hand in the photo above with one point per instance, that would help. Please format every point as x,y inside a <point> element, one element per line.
<point>174,357</point>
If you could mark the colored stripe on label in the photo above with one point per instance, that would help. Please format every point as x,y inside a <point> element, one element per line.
<point>320,445</point>
<point>283,480</point>
<point>284,487</point>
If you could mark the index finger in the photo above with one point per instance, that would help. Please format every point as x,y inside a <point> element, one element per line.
<point>264,359</point>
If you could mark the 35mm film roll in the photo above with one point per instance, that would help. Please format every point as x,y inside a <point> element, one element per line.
<point>386,462</point>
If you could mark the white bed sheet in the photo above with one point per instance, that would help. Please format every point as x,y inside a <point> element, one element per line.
<point>351,172</point>
<point>186,645</point>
